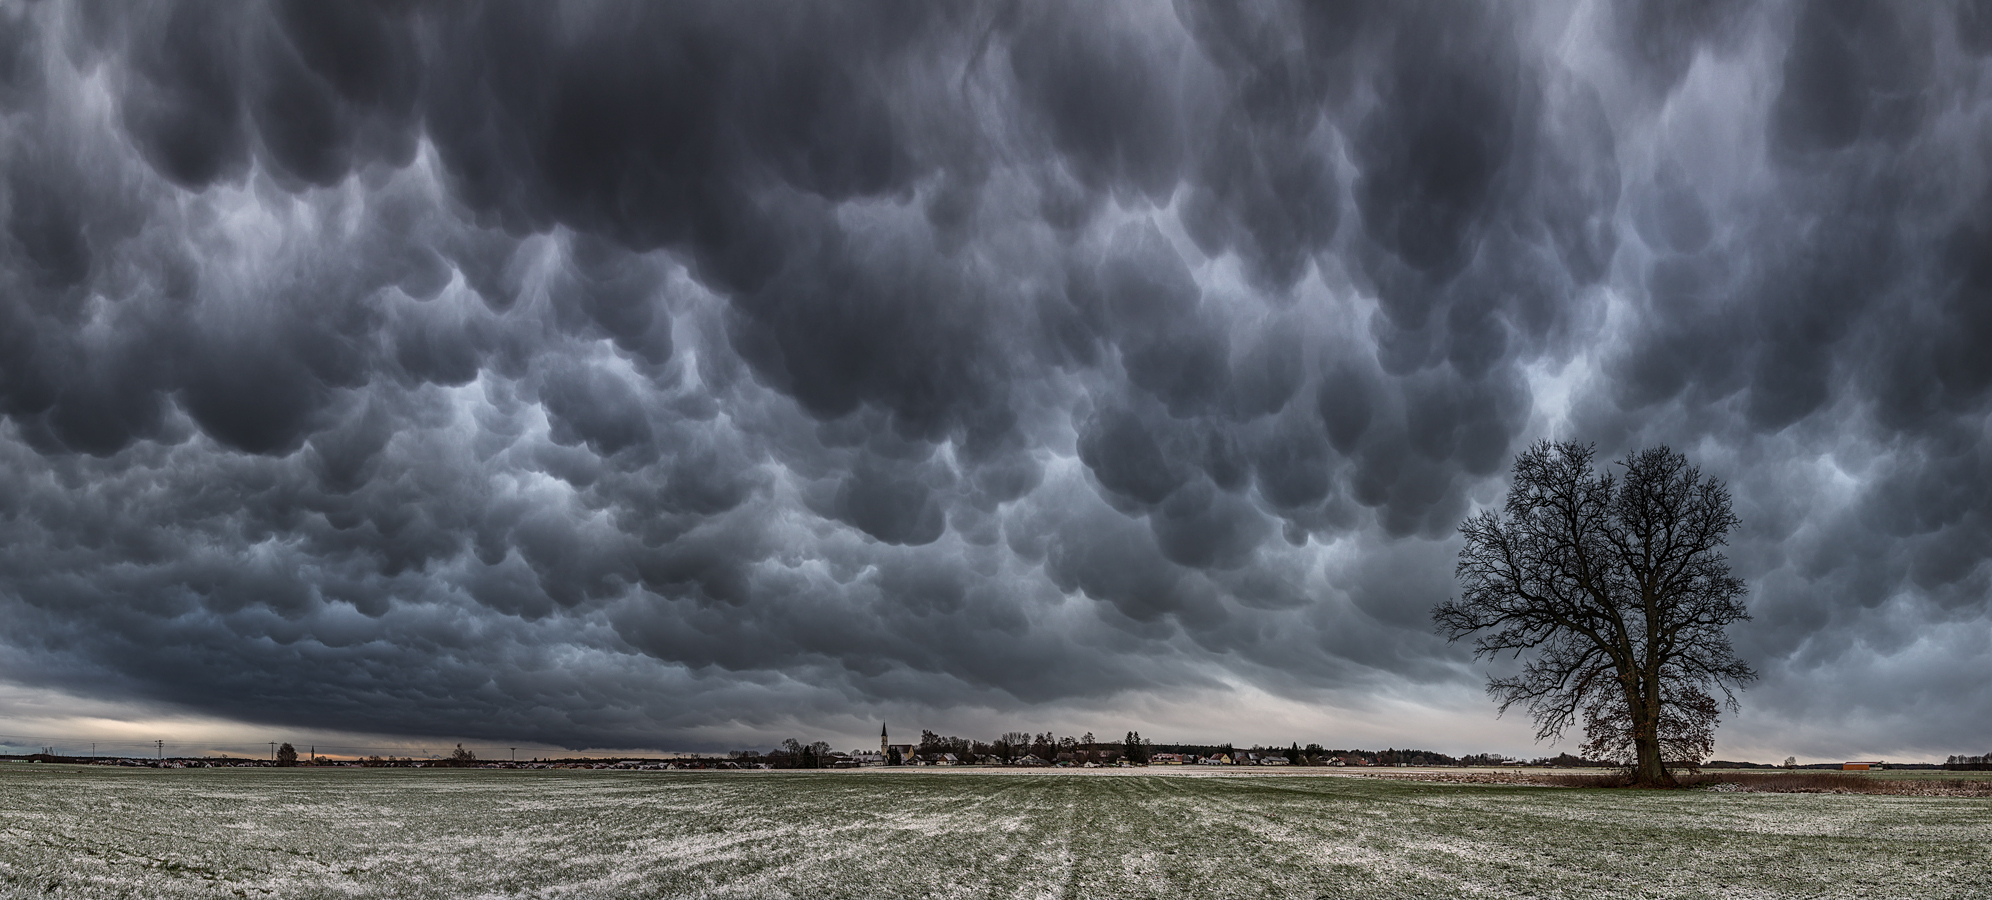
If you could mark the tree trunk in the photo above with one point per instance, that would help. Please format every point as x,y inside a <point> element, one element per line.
<point>1649,770</point>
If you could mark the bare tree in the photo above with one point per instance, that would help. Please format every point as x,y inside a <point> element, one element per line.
<point>1617,591</point>
<point>1135,748</point>
<point>1010,745</point>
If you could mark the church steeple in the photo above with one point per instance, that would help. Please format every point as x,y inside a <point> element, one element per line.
<point>881,740</point>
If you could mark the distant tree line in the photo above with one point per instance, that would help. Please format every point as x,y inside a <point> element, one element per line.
<point>1019,746</point>
<point>1049,748</point>
<point>458,758</point>
<point>794,754</point>
<point>1981,763</point>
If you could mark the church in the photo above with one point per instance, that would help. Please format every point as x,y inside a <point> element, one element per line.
<point>885,749</point>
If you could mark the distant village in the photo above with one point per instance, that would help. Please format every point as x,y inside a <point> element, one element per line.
<point>1046,749</point>
<point>1010,750</point>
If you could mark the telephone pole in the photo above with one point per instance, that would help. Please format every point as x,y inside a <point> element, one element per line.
<point>160,746</point>
<point>515,753</point>
<point>273,751</point>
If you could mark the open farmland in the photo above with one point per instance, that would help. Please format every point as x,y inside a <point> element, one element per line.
<point>101,832</point>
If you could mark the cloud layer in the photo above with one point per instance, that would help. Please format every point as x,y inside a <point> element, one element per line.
<point>623,373</point>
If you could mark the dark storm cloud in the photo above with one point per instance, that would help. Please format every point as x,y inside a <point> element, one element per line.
<point>612,373</point>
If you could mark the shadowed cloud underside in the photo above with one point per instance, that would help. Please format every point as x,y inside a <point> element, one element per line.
<point>608,374</point>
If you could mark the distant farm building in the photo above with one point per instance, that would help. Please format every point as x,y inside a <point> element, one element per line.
<point>1860,766</point>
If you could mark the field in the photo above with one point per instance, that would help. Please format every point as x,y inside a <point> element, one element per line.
<point>903,834</point>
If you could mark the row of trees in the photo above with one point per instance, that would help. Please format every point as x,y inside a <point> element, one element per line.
<point>1970,763</point>
<point>460,757</point>
<point>793,754</point>
<point>1018,746</point>
<point>1013,746</point>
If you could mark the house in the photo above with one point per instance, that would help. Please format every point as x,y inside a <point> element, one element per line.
<point>1214,761</point>
<point>1862,766</point>
<point>1166,759</point>
<point>1272,760</point>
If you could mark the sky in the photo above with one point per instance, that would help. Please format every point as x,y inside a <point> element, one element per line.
<point>691,376</point>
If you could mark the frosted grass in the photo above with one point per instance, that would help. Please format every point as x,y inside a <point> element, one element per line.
<point>101,832</point>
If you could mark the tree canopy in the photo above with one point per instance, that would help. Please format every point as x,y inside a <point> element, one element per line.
<point>1614,588</point>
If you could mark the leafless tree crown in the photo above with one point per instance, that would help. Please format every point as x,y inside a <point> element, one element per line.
<point>1614,588</point>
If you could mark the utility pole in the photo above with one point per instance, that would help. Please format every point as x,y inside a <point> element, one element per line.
<point>160,746</point>
<point>515,753</point>
<point>273,751</point>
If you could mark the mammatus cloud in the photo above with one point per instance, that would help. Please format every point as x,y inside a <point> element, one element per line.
<point>627,374</point>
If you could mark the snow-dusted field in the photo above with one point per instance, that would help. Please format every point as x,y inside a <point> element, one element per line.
<point>904,834</point>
